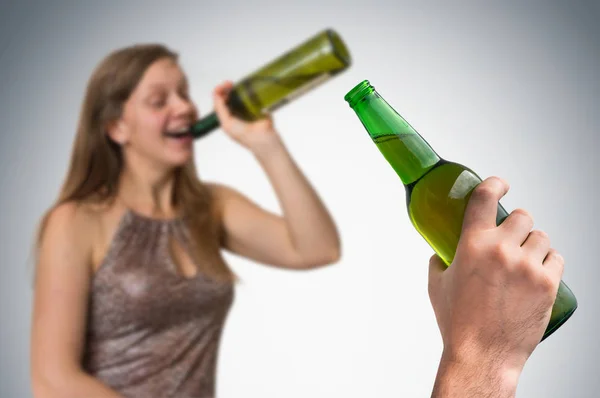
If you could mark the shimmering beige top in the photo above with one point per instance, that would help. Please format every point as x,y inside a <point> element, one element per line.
<point>151,331</point>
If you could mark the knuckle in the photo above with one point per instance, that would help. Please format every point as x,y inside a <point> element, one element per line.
<point>527,266</point>
<point>547,284</point>
<point>561,261</point>
<point>561,268</point>
<point>540,234</point>
<point>501,253</point>
<point>520,212</point>
<point>558,260</point>
<point>471,245</point>
<point>484,192</point>
<point>556,255</point>
<point>487,186</point>
<point>495,180</point>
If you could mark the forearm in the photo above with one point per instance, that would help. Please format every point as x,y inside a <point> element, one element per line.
<point>309,224</point>
<point>75,384</point>
<point>474,379</point>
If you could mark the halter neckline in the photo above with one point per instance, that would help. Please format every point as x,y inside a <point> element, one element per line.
<point>144,217</point>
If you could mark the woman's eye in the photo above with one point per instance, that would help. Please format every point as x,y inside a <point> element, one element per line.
<point>157,102</point>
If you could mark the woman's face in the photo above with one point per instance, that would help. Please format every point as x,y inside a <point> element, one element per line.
<point>158,108</point>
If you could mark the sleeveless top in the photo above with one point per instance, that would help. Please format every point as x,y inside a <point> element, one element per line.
<point>151,331</point>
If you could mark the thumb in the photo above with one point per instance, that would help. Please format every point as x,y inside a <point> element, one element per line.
<point>436,269</point>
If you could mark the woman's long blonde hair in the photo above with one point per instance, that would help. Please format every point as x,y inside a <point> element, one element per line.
<point>96,161</point>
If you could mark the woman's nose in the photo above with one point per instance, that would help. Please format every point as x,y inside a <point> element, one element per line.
<point>183,107</point>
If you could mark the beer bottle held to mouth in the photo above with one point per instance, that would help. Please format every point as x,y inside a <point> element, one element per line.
<point>277,83</point>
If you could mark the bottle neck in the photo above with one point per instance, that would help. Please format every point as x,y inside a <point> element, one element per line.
<point>404,149</point>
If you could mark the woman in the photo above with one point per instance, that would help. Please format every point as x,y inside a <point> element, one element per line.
<point>131,289</point>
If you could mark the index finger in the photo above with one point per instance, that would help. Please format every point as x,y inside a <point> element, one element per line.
<point>481,209</point>
<point>223,89</point>
<point>219,97</point>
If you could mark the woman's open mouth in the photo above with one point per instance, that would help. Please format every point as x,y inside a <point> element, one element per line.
<point>183,135</point>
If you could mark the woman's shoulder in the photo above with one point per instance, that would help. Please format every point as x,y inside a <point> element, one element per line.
<point>220,194</point>
<point>77,218</point>
<point>85,223</point>
<point>67,232</point>
<point>229,201</point>
<point>215,188</point>
<point>72,215</point>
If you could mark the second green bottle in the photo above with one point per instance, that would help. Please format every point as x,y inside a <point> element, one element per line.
<point>437,190</point>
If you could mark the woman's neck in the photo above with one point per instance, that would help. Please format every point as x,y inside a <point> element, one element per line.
<point>147,190</point>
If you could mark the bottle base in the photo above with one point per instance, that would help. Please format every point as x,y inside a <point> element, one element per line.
<point>558,324</point>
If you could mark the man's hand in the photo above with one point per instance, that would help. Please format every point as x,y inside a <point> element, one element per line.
<point>493,303</point>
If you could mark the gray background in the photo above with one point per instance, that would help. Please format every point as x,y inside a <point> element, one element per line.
<point>508,88</point>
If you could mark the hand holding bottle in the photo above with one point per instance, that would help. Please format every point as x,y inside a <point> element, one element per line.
<point>494,302</point>
<point>437,190</point>
<point>255,135</point>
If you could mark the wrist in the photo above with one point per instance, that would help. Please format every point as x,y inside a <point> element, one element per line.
<point>475,375</point>
<point>267,147</point>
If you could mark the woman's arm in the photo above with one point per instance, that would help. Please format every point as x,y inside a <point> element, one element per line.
<point>305,236</point>
<point>59,309</point>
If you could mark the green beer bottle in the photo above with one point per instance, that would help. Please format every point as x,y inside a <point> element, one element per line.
<point>437,190</point>
<point>290,75</point>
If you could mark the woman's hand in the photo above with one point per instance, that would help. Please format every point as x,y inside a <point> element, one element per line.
<point>255,136</point>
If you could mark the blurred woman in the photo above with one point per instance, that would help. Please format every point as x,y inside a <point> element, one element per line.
<point>131,289</point>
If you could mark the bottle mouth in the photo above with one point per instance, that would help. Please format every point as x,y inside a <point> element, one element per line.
<point>360,91</point>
